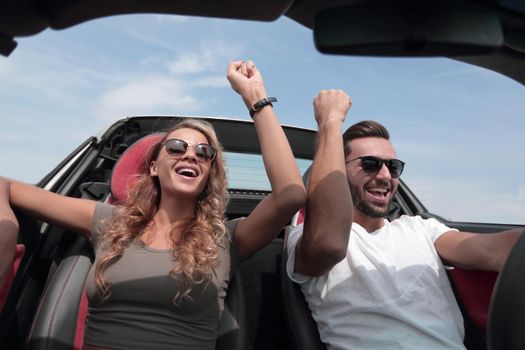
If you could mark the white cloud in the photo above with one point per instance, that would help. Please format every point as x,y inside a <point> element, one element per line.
<point>149,95</point>
<point>190,62</point>
<point>153,62</point>
<point>211,57</point>
<point>23,166</point>
<point>56,77</point>
<point>213,81</point>
<point>171,19</point>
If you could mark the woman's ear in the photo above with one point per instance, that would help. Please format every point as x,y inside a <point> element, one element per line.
<point>153,168</point>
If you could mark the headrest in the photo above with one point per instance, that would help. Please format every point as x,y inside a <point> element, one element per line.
<point>130,164</point>
<point>299,217</point>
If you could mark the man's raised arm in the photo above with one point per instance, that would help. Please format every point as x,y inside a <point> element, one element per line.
<point>329,205</point>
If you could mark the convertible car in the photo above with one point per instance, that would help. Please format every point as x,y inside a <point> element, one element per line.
<point>43,305</point>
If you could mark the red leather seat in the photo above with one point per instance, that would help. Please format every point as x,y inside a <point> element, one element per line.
<point>130,164</point>
<point>17,259</point>
<point>474,292</point>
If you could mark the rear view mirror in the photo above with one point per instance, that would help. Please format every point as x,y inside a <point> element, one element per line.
<point>408,28</point>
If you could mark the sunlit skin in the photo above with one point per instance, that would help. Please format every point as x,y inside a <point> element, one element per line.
<point>179,192</point>
<point>166,166</point>
<point>371,192</point>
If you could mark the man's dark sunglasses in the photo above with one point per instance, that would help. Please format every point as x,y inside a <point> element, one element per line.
<point>373,164</point>
<point>177,148</point>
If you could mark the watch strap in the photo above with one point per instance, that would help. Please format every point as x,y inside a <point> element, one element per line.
<point>257,106</point>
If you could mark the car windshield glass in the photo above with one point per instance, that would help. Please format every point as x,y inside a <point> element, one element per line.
<point>246,171</point>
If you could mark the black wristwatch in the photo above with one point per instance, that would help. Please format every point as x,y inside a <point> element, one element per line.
<point>257,106</point>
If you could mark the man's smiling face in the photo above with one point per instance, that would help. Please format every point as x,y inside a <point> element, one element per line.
<point>372,192</point>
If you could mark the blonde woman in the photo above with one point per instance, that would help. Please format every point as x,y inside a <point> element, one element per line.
<point>165,256</point>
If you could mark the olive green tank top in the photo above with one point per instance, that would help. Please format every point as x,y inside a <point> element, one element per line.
<point>140,313</point>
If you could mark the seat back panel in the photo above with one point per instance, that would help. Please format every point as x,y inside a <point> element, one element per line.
<point>6,287</point>
<point>474,292</point>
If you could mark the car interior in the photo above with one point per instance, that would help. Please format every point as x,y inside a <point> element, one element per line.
<point>45,306</point>
<point>42,304</point>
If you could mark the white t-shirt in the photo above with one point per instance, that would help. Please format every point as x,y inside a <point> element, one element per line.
<point>390,292</point>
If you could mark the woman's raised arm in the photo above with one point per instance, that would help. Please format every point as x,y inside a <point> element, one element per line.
<point>288,193</point>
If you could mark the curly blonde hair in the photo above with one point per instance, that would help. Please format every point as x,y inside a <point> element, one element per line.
<point>196,250</point>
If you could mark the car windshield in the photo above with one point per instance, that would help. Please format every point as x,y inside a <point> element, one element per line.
<point>458,127</point>
<point>246,171</point>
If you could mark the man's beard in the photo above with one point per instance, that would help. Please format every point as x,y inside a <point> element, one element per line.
<point>368,208</point>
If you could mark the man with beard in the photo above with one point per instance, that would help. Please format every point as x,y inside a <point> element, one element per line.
<point>371,283</point>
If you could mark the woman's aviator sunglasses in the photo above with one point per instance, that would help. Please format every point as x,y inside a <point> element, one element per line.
<point>177,148</point>
<point>373,164</point>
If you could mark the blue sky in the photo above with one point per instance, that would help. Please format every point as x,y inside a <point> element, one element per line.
<point>458,127</point>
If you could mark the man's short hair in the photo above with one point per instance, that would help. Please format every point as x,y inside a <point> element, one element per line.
<point>365,128</point>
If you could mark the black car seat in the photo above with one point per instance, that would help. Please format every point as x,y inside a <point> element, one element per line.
<point>55,325</point>
<point>301,328</point>
<point>61,315</point>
